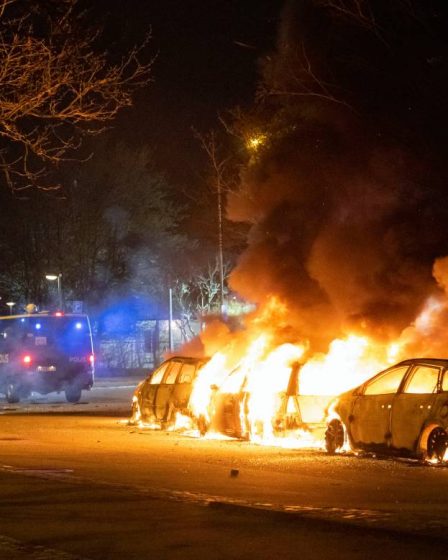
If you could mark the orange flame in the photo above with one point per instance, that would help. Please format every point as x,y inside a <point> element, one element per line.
<point>263,373</point>
<point>260,372</point>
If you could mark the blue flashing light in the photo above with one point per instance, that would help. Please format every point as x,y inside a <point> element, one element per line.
<point>22,320</point>
<point>38,326</point>
<point>78,326</point>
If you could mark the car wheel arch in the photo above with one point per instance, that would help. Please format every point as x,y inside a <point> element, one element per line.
<point>422,445</point>
<point>335,435</point>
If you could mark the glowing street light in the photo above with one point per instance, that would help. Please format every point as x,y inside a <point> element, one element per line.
<point>51,278</point>
<point>10,304</point>
<point>254,142</point>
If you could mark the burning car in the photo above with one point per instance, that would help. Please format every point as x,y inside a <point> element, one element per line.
<point>242,411</point>
<point>402,410</point>
<point>166,391</point>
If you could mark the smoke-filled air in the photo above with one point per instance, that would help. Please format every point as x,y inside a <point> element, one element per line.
<point>345,196</point>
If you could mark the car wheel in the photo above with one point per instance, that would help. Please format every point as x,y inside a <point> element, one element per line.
<point>12,392</point>
<point>73,394</point>
<point>437,444</point>
<point>334,436</point>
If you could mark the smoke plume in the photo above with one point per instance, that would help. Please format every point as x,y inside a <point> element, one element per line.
<point>347,217</point>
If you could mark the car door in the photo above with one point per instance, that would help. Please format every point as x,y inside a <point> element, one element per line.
<point>413,406</point>
<point>165,390</point>
<point>183,386</point>
<point>440,407</point>
<point>149,390</point>
<point>371,413</point>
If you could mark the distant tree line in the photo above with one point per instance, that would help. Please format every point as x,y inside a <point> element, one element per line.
<point>114,229</point>
<point>99,212</point>
<point>57,85</point>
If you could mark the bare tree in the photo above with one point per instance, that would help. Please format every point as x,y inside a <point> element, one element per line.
<point>305,69</point>
<point>222,179</point>
<point>358,11</point>
<point>54,86</point>
<point>299,79</point>
<point>298,69</point>
<point>200,295</point>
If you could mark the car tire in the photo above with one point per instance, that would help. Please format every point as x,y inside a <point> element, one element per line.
<point>334,436</point>
<point>12,393</point>
<point>73,394</point>
<point>437,444</point>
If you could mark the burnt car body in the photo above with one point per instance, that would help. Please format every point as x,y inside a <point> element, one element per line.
<point>402,410</point>
<point>166,391</point>
<point>230,409</point>
<point>45,352</point>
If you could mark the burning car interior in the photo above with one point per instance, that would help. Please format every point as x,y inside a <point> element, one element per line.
<point>232,412</point>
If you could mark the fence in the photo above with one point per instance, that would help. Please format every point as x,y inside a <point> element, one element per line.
<point>142,349</point>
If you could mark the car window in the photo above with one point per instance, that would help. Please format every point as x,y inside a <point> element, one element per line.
<point>66,334</point>
<point>171,375</point>
<point>445,381</point>
<point>423,380</point>
<point>187,373</point>
<point>387,383</point>
<point>156,377</point>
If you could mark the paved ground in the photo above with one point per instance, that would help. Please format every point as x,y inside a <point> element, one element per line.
<point>48,519</point>
<point>77,480</point>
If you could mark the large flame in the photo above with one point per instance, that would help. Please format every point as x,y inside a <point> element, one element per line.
<point>266,381</point>
<point>263,375</point>
<point>285,390</point>
<point>260,371</point>
<point>348,363</point>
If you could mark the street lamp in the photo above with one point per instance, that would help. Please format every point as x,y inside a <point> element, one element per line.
<point>10,304</point>
<point>255,142</point>
<point>57,277</point>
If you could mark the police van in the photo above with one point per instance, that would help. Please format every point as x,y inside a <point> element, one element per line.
<point>45,352</point>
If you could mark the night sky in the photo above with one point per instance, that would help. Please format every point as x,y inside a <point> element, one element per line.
<point>203,67</point>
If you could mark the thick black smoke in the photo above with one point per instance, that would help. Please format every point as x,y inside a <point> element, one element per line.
<point>347,197</point>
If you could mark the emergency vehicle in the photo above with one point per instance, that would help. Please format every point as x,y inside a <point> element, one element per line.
<point>45,352</point>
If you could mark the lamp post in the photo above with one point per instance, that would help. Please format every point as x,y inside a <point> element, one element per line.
<point>10,304</point>
<point>170,323</point>
<point>57,277</point>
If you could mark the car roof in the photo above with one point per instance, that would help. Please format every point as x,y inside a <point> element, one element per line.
<point>433,361</point>
<point>443,362</point>
<point>43,315</point>
<point>187,358</point>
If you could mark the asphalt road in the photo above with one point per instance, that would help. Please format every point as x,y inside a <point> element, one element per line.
<point>76,481</point>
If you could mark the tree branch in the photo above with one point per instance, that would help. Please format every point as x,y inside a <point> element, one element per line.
<point>54,88</point>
